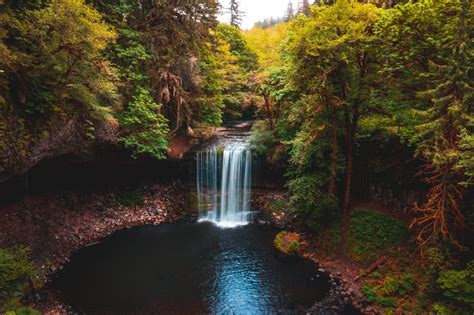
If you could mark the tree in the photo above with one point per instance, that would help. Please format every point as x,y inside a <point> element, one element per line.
<point>332,59</point>
<point>102,65</point>
<point>443,128</point>
<point>235,14</point>
<point>175,32</point>
<point>266,42</point>
<point>267,23</point>
<point>433,75</point>
<point>304,7</point>
<point>290,12</point>
<point>243,62</point>
<point>145,130</point>
<point>263,88</point>
<point>69,67</point>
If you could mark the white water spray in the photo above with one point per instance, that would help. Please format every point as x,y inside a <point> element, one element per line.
<point>223,183</point>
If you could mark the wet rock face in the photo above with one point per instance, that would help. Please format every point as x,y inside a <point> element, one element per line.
<point>271,206</point>
<point>108,167</point>
<point>68,136</point>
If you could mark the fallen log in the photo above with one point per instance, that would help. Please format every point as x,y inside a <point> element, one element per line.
<point>380,261</point>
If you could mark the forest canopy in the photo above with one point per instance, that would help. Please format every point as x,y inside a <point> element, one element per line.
<point>145,70</point>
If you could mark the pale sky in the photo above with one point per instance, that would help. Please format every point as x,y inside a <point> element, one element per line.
<point>257,10</point>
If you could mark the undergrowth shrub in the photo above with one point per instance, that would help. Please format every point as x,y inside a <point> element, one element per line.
<point>399,285</point>
<point>280,204</point>
<point>130,197</point>
<point>371,231</point>
<point>389,289</point>
<point>15,269</point>
<point>311,203</point>
<point>17,278</point>
<point>261,139</point>
<point>15,307</point>
<point>457,287</point>
<point>373,297</point>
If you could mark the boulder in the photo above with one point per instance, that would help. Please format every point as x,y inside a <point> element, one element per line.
<point>287,242</point>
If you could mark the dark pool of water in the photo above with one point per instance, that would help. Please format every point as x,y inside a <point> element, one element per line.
<point>189,269</point>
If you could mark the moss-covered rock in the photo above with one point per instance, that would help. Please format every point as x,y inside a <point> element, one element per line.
<point>287,242</point>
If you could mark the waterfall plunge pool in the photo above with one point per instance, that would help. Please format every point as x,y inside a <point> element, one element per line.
<point>189,268</point>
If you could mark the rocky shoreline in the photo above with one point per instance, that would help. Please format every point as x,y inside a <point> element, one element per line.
<point>345,292</point>
<point>53,234</point>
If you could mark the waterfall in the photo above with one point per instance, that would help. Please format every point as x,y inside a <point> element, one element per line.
<point>223,180</point>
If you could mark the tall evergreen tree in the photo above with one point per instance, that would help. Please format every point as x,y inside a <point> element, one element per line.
<point>235,14</point>
<point>444,126</point>
<point>290,12</point>
<point>304,7</point>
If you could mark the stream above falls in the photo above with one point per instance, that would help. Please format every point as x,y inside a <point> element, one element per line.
<point>189,268</point>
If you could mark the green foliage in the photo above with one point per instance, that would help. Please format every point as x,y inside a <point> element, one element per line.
<point>458,287</point>
<point>441,309</point>
<point>17,277</point>
<point>278,242</point>
<point>293,246</point>
<point>400,285</point>
<point>280,204</point>
<point>311,203</point>
<point>262,139</point>
<point>465,161</point>
<point>235,62</point>
<point>145,130</point>
<point>375,298</point>
<point>266,43</point>
<point>217,67</point>
<point>432,74</point>
<point>14,307</point>
<point>238,46</point>
<point>70,60</point>
<point>452,91</point>
<point>64,60</point>
<point>130,197</point>
<point>16,269</point>
<point>371,231</point>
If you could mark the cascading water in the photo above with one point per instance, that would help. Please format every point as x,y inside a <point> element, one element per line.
<point>223,183</point>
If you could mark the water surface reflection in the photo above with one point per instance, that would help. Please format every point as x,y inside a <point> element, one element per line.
<point>189,269</point>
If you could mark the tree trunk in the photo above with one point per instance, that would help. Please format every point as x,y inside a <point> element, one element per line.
<point>346,207</point>
<point>268,106</point>
<point>351,121</point>
<point>348,179</point>
<point>332,181</point>
<point>350,126</point>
